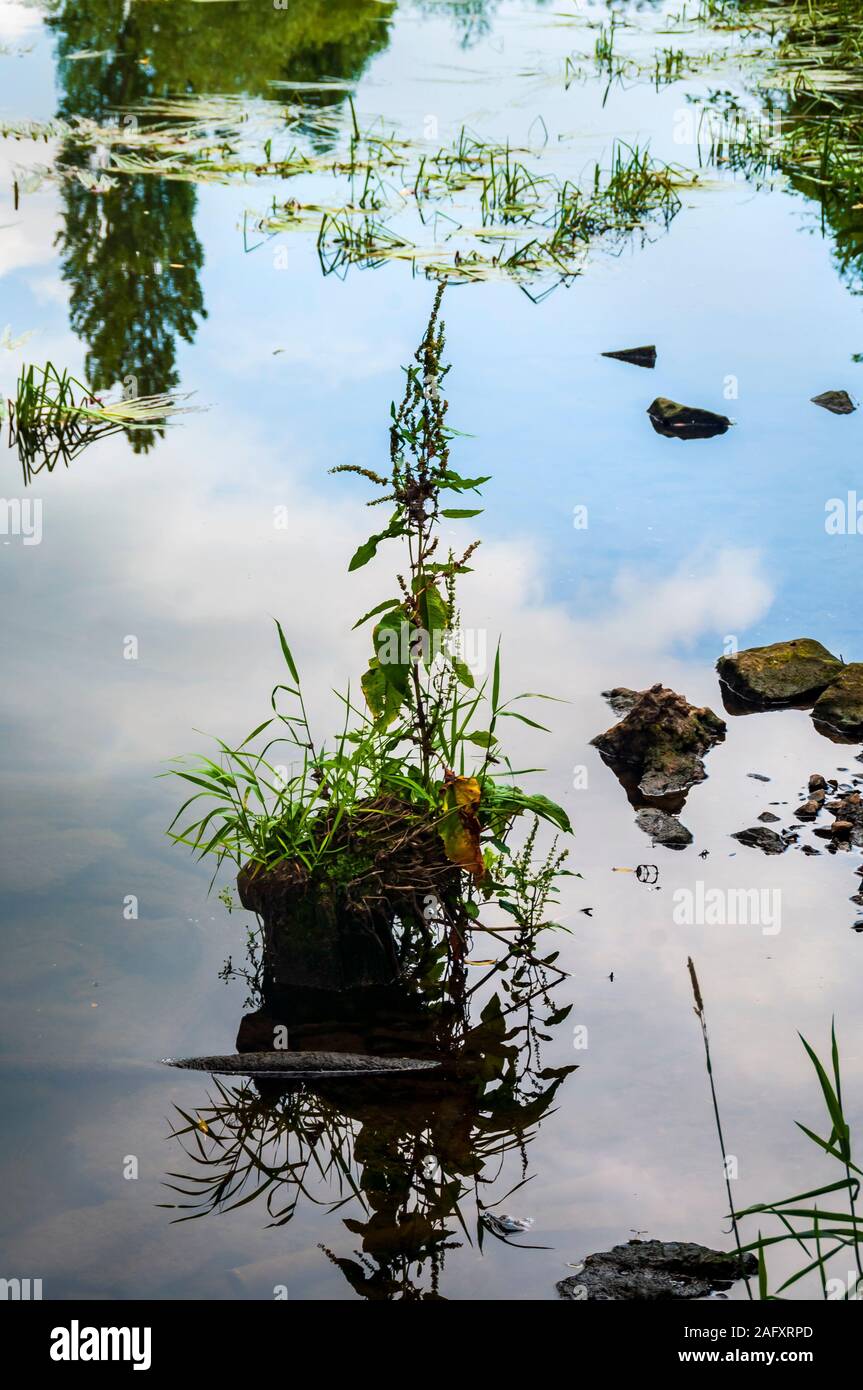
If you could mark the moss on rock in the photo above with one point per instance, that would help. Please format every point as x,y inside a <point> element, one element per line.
<point>841,705</point>
<point>781,674</point>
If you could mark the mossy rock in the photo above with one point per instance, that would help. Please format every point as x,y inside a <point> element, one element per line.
<point>784,673</point>
<point>841,705</point>
<point>678,421</point>
<point>313,939</point>
<point>662,741</point>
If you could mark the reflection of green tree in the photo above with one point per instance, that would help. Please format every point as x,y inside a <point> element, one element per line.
<point>130,254</point>
<point>821,117</point>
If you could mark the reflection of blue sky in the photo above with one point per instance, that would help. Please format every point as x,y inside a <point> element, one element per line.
<point>687,542</point>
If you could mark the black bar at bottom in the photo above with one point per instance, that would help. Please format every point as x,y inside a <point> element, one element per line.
<point>82,1339</point>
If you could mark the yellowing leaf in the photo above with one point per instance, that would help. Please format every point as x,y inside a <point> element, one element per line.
<point>459,827</point>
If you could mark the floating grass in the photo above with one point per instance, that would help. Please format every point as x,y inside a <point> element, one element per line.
<point>54,417</point>
<point>469,210</point>
<point>537,224</point>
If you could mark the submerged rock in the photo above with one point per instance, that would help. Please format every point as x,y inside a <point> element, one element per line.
<point>759,837</point>
<point>299,1064</point>
<point>837,402</point>
<point>662,740</point>
<point>840,707</point>
<point>663,829</point>
<point>650,1270</point>
<point>639,357</point>
<point>685,421</point>
<point>781,674</point>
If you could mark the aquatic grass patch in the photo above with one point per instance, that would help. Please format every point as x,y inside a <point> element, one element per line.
<point>520,222</point>
<point>412,1179</point>
<point>470,210</point>
<point>808,77</point>
<point>54,417</point>
<point>824,1232</point>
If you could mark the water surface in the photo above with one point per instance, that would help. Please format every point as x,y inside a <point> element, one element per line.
<point>688,546</point>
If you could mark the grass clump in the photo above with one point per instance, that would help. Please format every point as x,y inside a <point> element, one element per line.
<point>822,1233</point>
<point>410,808</point>
<point>54,417</point>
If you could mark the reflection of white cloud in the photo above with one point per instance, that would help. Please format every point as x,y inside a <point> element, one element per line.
<point>176,553</point>
<point>725,595</point>
<point>269,354</point>
<point>17,18</point>
<point>27,241</point>
<point>49,289</point>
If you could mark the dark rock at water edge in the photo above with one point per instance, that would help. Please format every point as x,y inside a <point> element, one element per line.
<point>662,741</point>
<point>311,939</point>
<point>760,837</point>
<point>677,421</point>
<point>837,402</point>
<point>780,674</point>
<point>638,357</point>
<point>848,822</point>
<point>654,1270</point>
<point>663,829</point>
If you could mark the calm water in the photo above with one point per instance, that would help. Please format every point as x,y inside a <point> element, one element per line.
<point>687,545</point>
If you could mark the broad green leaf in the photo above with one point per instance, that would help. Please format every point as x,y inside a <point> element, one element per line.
<point>369,548</point>
<point>382,697</point>
<point>434,615</point>
<point>373,612</point>
<point>453,482</point>
<point>463,672</point>
<point>482,740</point>
<point>392,640</point>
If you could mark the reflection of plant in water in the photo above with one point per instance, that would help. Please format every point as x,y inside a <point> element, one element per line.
<point>130,252</point>
<point>420,1165</point>
<point>531,225</point>
<point>139,105</point>
<point>54,417</point>
<point>809,76</point>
